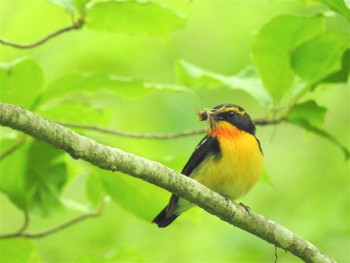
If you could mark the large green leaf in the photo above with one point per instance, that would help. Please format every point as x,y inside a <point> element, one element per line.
<point>85,83</point>
<point>133,17</point>
<point>247,80</point>
<point>71,111</point>
<point>273,44</point>
<point>310,116</point>
<point>12,171</point>
<point>133,195</point>
<point>310,111</point>
<point>338,6</point>
<point>21,82</point>
<point>321,56</point>
<point>18,250</point>
<point>45,176</point>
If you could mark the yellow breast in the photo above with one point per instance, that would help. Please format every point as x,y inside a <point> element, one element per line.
<point>238,168</point>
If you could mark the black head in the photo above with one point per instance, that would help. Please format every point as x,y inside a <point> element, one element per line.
<point>231,113</point>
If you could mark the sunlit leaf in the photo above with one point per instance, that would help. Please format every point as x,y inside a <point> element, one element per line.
<point>18,250</point>
<point>45,176</point>
<point>247,80</point>
<point>310,116</point>
<point>67,5</point>
<point>338,6</point>
<point>273,44</point>
<point>68,110</point>
<point>80,4</point>
<point>132,17</point>
<point>21,82</point>
<point>321,56</point>
<point>91,83</point>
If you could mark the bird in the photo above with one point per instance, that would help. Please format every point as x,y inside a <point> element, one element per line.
<point>228,160</point>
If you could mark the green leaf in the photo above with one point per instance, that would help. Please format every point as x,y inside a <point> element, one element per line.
<point>341,75</point>
<point>93,189</point>
<point>129,193</point>
<point>247,80</point>
<point>273,44</point>
<point>21,82</point>
<point>310,111</point>
<point>67,5</point>
<point>71,111</point>
<point>83,83</point>
<point>338,6</point>
<point>12,176</point>
<point>310,116</point>
<point>91,83</point>
<point>321,56</point>
<point>132,17</point>
<point>45,177</point>
<point>18,250</point>
<point>80,5</point>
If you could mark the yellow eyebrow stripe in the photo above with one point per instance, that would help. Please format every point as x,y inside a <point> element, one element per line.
<point>226,109</point>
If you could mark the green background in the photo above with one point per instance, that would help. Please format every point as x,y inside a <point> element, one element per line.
<point>307,187</point>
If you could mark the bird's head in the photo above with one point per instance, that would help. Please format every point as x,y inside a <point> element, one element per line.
<point>227,116</point>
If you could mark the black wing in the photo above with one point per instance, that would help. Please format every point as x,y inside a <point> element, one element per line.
<point>208,145</point>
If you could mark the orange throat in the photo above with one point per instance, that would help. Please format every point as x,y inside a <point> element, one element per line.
<point>223,129</point>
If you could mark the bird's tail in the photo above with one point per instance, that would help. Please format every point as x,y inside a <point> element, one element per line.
<point>164,218</point>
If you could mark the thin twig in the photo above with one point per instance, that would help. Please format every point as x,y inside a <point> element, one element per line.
<point>21,231</point>
<point>265,122</point>
<point>261,122</point>
<point>77,25</point>
<point>12,149</point>
<point>132,134</point>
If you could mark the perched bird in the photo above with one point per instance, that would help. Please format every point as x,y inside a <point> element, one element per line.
<point>228,160</point>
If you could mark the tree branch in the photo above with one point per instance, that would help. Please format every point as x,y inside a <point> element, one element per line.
<point>77,25</point>
<point>114,159</point>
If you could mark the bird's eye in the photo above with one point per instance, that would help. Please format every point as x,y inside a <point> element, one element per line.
<point>231,113</point>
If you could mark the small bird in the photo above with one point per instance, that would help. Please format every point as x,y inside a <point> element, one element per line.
<point>228,160</point>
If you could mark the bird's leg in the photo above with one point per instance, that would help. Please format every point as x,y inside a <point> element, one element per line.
<point>246,208</point>
<point>226,196</point>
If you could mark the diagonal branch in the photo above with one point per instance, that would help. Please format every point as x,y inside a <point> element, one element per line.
<point>114,159</point>
<point>77,25</point>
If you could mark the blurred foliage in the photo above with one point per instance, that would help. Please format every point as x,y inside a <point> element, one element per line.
<point>146,67</point>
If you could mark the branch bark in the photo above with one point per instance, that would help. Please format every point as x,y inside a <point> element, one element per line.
<point>114,159</point>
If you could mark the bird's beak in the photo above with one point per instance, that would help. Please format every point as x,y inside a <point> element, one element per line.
<point>209,115</point>
<point>212,117</point>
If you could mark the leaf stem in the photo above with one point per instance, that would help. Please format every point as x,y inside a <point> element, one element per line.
<point>76,25</point>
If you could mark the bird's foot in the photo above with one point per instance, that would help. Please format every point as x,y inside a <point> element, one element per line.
<point>226,196</point>
<point>246,208</point>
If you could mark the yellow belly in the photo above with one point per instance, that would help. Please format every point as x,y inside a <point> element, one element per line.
<point>236,171</point>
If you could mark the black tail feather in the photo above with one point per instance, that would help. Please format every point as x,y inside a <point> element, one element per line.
<point>163,220</point>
